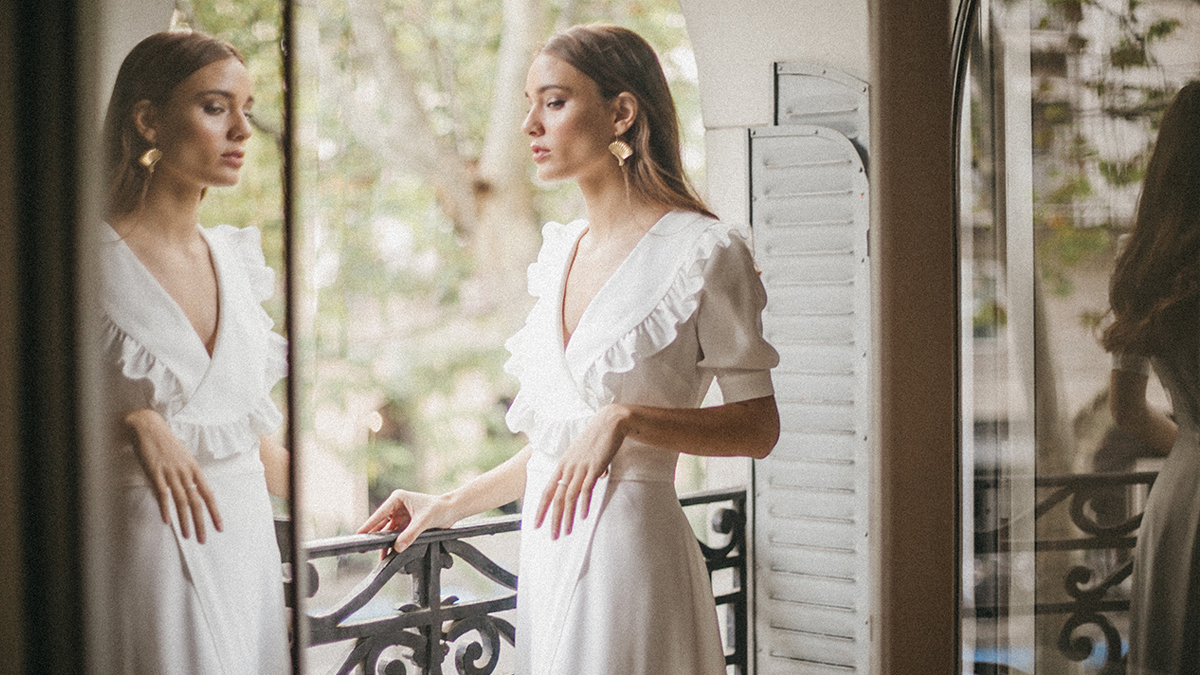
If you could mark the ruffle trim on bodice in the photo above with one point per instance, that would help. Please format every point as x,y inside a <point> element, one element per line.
<point>539,407</point>
<point>236,427</point>
<point>218,440</point>
<point>247,241</point>
<point>661,327</point>
<point>542,410</point>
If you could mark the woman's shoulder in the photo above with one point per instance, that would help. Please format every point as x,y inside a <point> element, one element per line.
<point>556,234</point>
<point>242,246</point>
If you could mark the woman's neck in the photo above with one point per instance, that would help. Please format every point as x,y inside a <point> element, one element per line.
<point>613,211</point>
<point>167,215</point>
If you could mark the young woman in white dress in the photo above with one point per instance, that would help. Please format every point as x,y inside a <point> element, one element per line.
<point>639,308</point>
<point>190,360</point>
<point>1155,299</point>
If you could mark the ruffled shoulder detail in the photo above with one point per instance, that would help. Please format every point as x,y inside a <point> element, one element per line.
<point>219,439</point>
<point>660,327</point>
<point>558,240</point>
<point>246,245</point>
<point>535,347</point>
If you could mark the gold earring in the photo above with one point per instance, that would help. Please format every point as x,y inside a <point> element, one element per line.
<point>150,158</point>
<point>621,150</point>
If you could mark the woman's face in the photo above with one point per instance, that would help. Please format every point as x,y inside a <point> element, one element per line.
<point>570,123</point>
<point>203,128</point>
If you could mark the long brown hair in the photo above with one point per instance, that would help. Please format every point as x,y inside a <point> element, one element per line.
<point>619,60</point>
<point>150,72</point>
<point>1155,289</point>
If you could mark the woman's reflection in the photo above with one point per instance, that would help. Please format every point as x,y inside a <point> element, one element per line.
<point>191,359</point>
<point>1155,298</point>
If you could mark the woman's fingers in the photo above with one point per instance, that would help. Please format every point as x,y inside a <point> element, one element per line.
<point>571,492</point>
<point>196,506</point>
<point>210,501</point>
<point>547,498</point>
<point>585,493</point>
<point>567,495</point>
<point>181,504</point>
<point>163,493</point>
<point>377,519</point>
<point>408,535</point>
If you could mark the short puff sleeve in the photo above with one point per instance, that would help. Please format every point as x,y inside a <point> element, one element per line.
<point>729,324</point>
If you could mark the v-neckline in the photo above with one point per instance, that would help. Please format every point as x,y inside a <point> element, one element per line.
<point>565,340</point>
<point>177,309</point>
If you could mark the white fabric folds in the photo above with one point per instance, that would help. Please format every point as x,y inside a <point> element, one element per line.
<point>186,608</point>
<point>627,590</point>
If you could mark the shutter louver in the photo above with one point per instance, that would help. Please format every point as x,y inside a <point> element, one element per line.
<point>809,214</point>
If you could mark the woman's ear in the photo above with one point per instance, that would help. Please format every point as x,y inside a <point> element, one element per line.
<point>144,120</point>
<point>625,112</point>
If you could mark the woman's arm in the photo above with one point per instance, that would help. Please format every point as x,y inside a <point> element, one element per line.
<point>173,472</point>
<point>412,512</point>
<point>1131,411</point>
<point>742,429</point>
<point>746,428</point>
<point>275,459</point>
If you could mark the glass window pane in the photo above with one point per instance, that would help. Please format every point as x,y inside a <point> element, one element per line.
<point>1060,110</point>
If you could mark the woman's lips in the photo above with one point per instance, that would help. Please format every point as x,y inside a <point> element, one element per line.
<point>539,153</point>
<point>234,159</point>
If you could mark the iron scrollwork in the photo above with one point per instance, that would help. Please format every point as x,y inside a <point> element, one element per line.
<point>422,633</point>
<point>1098,508</point>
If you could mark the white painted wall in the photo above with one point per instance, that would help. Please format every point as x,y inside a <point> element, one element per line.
<point>123,24</point>
<point>736,46</point>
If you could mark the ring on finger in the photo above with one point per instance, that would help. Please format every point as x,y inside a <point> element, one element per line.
<point>191,486</point>
<point>562,483</point>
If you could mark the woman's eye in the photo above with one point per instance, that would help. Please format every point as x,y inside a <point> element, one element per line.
<point>555,104</point>
<point>213,109</point>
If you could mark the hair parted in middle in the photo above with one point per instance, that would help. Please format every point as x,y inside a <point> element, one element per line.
<point>619,60</point>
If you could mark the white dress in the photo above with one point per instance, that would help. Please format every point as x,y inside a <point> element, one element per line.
<point>187,608</point>
<point>627,591</point>
<point>1164,630</point>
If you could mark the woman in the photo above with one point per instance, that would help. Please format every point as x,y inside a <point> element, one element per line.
<point>1155,298</point>
<point>638,309</point>
<point>190,361</point>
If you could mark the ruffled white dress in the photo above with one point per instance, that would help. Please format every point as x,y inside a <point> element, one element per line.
<point>1164,626</point>
<point>627,591</point>
<point>187,608</point>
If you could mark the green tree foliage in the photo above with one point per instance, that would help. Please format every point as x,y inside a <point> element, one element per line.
<point>407,325</point>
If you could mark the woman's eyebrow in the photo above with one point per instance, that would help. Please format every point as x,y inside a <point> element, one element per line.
<point>222,93</point>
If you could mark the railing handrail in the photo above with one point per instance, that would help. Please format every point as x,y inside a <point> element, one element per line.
<point>430,624</point>
<point>363,543</point>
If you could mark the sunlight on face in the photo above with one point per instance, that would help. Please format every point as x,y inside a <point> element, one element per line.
<point>570,123</point>
<point>203,128</point>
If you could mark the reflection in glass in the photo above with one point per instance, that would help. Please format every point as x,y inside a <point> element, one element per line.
<point>188,359</point>
<point>1061,102</point>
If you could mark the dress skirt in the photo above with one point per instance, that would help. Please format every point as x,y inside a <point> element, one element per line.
<point>1165,611</point>
<point>227,591</point>
<point>626,592</point>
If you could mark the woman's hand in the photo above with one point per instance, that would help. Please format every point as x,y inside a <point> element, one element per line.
<point>585,461</point>
<point>173,472</point>
<point>410,512</point>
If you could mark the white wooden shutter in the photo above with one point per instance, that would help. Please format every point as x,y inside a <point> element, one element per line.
<point>810,216</point>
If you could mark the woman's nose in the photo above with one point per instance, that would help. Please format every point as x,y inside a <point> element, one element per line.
<point>531,126</point>
<point>242,129</point>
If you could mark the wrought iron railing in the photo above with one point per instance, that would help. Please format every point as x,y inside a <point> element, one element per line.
<point>1104,511</point>
<point>431,625</point>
